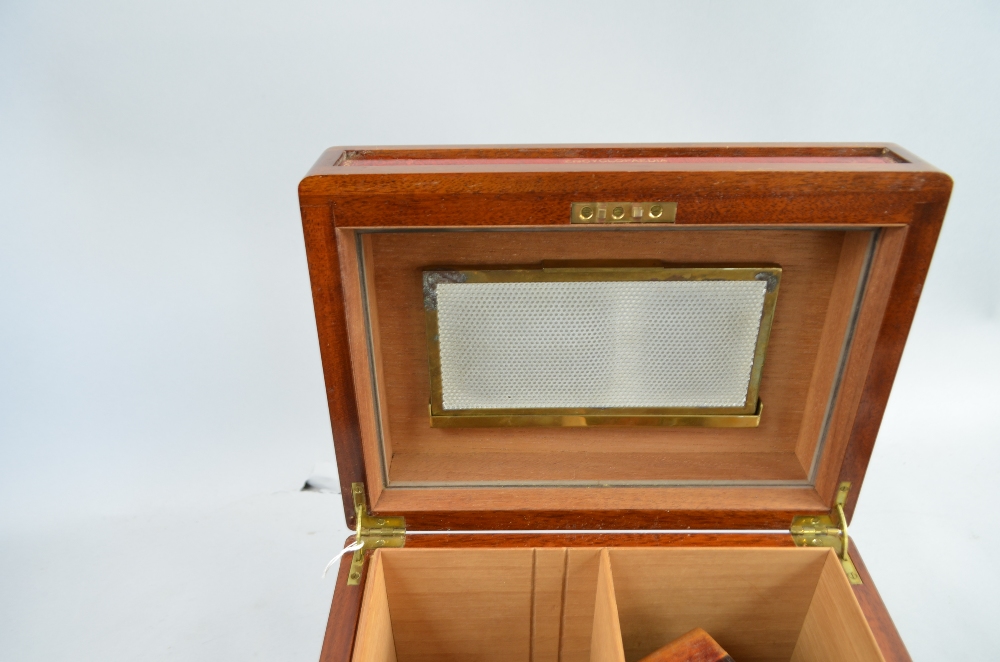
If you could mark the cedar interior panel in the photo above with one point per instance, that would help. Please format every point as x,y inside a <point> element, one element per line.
<point>421,454</point>
<point>471,604</point>
<point>843,300</point>
<point>835,627</point>
<point>752,601</point>
<point>374,638</point>
<point>578,604</point>
<point>762,604</point>
<point>547,603</point>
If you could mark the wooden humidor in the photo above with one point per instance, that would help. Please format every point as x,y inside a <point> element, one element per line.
<point>599,518</point>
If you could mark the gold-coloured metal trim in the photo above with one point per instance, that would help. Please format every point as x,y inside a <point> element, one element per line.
<point>828,531</point>
<point>623,212</point>
<point>373,532</point>
<point>490,420</point>
<point>745,416</point>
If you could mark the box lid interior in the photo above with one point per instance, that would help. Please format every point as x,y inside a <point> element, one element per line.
<point>849,231</point>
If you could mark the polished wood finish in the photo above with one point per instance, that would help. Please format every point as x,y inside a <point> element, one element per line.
<point>695,646</point>
<point>342,624</point>
<point>886,634</point>
<point>873,187</point>
<point>779,152</point>
<point>328,302</point>
<point>880,190</point>
<point>621,508</point>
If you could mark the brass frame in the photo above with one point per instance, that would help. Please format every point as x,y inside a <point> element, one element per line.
<point>746,416</point>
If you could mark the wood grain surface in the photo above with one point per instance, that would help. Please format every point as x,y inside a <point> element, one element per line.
<point>920,239</point>
<point>581,554</point>
<point>345,611</point>
<point>695,646</point>
<point>423,455</point>
<point>611,508</point>
<point>738,188</point>
<point>606,639</point>
<point>835,627</point>
<point>374,641</point>
<point>470,604</point>
<point>752,600</point>
<point>885,632</point>
<point>328,302</point>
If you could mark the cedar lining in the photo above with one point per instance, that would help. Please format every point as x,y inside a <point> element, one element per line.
<point>424,456</point>
<point>431,457</point>
<point>622,603</point>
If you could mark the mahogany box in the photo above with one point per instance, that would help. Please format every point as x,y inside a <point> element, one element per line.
<point>586,399</point>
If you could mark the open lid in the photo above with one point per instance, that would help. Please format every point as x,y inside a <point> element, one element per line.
<point>613,337</point>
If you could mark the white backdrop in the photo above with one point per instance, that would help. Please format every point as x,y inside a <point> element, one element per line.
<point>161,397</point>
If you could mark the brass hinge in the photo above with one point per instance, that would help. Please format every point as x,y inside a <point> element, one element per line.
<point>372,532</point>
<point>828,531</point>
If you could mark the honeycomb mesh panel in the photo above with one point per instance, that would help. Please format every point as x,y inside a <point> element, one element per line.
<point>541,345</point>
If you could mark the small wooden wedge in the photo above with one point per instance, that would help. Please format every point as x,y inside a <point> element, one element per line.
<point>695,646</point>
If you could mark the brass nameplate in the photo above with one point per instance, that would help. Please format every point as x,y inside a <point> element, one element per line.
<point>623,212</point>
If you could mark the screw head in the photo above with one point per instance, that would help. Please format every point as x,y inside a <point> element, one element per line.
<point>355,575</point>
<point>587,213</point>
<point>656,211</point>
<point>618,213</point>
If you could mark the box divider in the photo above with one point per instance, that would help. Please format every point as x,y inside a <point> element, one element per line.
<point>547,595</point>
<point>606,642</point>
<point>835,628</point>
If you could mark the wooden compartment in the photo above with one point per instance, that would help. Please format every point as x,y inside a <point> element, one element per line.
<point>590,540</point>
<point>608,604</point>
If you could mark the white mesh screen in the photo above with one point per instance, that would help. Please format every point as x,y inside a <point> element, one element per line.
<point>597,344</point>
